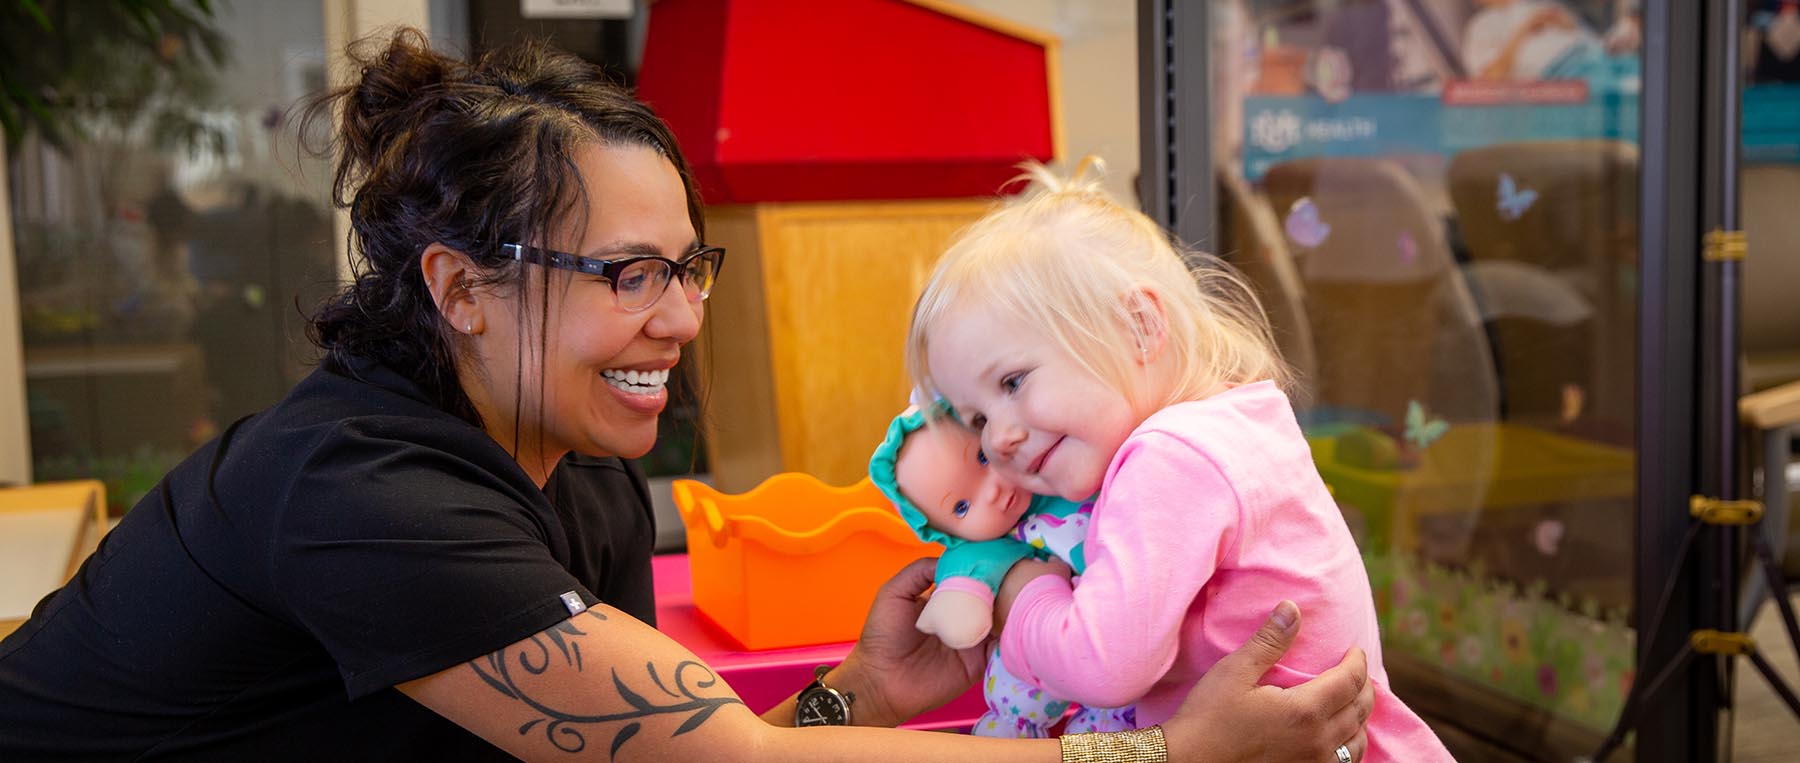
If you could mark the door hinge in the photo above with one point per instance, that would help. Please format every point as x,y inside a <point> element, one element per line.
<point>1710,641</point>
<point>1724,246</point>
<point>1715,511</point>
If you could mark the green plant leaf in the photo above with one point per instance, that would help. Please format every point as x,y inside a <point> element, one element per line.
<point>10,119</point>
<point>71,68</point>
<point>37,14</point>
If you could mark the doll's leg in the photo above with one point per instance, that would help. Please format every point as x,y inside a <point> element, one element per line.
<point>1087,719</point>
<point>1016,709</point>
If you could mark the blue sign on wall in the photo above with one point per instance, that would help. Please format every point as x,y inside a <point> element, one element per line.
<point>1771,118</point>
<point>1386,124</point>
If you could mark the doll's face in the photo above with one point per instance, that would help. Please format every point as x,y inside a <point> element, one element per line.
<point>941,469</point>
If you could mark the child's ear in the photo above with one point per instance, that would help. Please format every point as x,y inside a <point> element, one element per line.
<point>1149,324</point>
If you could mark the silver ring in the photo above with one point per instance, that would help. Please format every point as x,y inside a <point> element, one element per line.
<point>1343,753</point>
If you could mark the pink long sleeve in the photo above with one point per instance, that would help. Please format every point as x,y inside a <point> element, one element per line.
<point>1106,642</point>
<point>1210,514</point>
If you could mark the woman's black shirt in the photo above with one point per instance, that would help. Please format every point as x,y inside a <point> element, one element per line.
<point>261,602</point>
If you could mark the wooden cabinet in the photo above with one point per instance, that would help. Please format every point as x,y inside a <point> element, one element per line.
<point>803,351</point>
<point>840,145</point>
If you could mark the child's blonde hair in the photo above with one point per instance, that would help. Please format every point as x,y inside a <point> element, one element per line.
<point>1066,256</point>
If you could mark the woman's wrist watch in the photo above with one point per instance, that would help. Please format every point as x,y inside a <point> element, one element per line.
<point>821,705</point>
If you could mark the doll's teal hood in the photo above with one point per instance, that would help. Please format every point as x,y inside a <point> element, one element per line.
<point>887,454</point>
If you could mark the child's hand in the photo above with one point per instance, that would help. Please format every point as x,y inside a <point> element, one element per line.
<point>1025,571</point>
<point>960,620</point>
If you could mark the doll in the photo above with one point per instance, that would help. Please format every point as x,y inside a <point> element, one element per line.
<point>933,471</point>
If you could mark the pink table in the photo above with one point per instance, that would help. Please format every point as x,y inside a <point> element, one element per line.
<point>763,679</point>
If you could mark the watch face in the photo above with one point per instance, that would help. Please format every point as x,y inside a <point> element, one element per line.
<point>822,707</point>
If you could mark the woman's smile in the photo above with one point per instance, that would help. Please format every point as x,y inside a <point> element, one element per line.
<point>647,403</point>
<point>637,382</point>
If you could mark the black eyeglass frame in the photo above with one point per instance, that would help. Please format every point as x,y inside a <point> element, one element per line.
<point>610,269</point>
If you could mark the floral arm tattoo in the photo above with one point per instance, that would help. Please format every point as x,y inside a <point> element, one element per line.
<point>567,727</point>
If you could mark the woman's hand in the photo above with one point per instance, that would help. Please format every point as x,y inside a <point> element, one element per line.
<point>1228,717</point>
<point>896,670</point>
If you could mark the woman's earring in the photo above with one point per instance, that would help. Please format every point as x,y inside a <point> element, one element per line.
<point>469,327</point>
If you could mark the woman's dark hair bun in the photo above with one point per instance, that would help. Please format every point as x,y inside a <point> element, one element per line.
<point>474,155</point>
<point>393,75</point>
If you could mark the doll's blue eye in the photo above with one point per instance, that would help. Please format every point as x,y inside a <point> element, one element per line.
<point>961,510</point>
<point>980,457</point>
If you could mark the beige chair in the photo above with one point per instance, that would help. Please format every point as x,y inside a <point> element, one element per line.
<point>1391,325</point>
<point>1770,341</point>
<point>1390,318</point>
<point>1556,278</point>
<point>1771,311</point>
<point>1251,240</point>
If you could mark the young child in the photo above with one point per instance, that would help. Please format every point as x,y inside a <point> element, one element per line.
<point>1094,357</point>
<point>933,471</point>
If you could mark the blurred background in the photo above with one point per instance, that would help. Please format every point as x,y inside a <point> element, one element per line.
<point>1443,204</point>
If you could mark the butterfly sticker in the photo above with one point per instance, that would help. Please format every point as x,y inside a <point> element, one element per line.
<point>1514,201</point>
<point>1547,536</point>
<point>1303,225</point>
<point>1572,399</point>
<point>1422,430</point>
<point>1409,249</point>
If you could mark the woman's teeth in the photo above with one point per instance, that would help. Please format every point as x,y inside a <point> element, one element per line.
<point>637,382</point>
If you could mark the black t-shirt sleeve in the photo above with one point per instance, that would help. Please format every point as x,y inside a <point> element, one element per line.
<point>605,505</point>
<point>405,553</point>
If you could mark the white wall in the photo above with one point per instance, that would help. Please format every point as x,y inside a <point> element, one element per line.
<point>1099,77</point>
<point>349,20</point>
<point>277,58</point>
<point>15,451</point>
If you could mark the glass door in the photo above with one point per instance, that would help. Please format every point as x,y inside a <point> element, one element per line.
<point>1769,180</point>
<point>167,252</point>
<point>1439,202</point>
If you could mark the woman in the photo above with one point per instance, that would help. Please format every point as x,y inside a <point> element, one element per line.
<point>372,569</point>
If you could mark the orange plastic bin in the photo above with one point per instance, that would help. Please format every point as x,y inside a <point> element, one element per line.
<point>793,562</point>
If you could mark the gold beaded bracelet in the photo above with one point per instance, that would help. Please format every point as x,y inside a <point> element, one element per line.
<point>1139,746</point>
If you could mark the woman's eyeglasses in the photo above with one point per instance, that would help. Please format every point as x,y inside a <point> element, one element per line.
<point>637,282</point>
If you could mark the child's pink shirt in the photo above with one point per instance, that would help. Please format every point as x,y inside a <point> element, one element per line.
<point>1210,514</point>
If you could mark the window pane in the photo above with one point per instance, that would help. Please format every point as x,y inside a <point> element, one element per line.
<point>1438,201</point>
<point>163,274</point>
<point>1769,181</point>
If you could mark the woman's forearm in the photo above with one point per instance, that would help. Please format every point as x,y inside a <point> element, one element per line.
<point>838,743</point>
<point>603,686</point>
<point>783,744</point>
